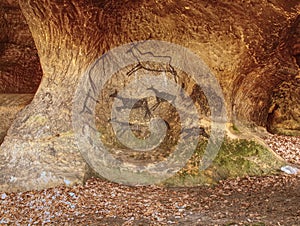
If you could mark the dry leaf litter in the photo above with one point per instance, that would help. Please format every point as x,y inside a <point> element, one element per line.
<point>271,200</point>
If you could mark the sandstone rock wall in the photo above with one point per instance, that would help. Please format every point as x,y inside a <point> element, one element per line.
<point>20,70</point>
<point>284,113</point>
<point>242,42</point>
<point>10,105</point>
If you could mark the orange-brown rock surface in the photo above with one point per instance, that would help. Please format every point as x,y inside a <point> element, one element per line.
<point>250,46</point>
<point>20,70</point>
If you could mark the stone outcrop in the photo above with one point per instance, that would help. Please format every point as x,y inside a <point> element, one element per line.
<point>284,113</point>
<point>10,105</point>
<point>20,70</point>
<point>243,43</point>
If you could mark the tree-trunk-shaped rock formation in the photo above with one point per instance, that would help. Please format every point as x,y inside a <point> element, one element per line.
<point>252,48</point>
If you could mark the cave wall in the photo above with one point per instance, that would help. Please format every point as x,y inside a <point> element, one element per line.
<point>249,60</point>
<point>268,63</point>
<point>241,42</point>
<point>20,70</point>
<point>284,113</point>
<point>10,105</point>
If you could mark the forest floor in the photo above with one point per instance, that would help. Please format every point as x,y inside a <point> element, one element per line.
<point>269,200</point>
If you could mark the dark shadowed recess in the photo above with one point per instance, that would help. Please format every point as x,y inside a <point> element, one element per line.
<point>20,69</point>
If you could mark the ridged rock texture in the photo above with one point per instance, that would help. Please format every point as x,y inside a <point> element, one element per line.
<point>20,69</point>
<point>251,46</point>
<point>284,113</point>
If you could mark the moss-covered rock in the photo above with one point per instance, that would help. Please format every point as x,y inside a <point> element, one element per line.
<point>236,158</point>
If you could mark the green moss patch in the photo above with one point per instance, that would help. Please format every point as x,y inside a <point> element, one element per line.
<point>236,158</point>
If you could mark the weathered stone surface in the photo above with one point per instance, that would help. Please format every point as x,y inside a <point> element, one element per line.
<point>10,105</point>
<point>284,117</point>
<point>236,158</point>
<point>284,113</point>
<point>20,70</point>
<point>241,42</point>
<point>3,29</point>
<point>293,40</point>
